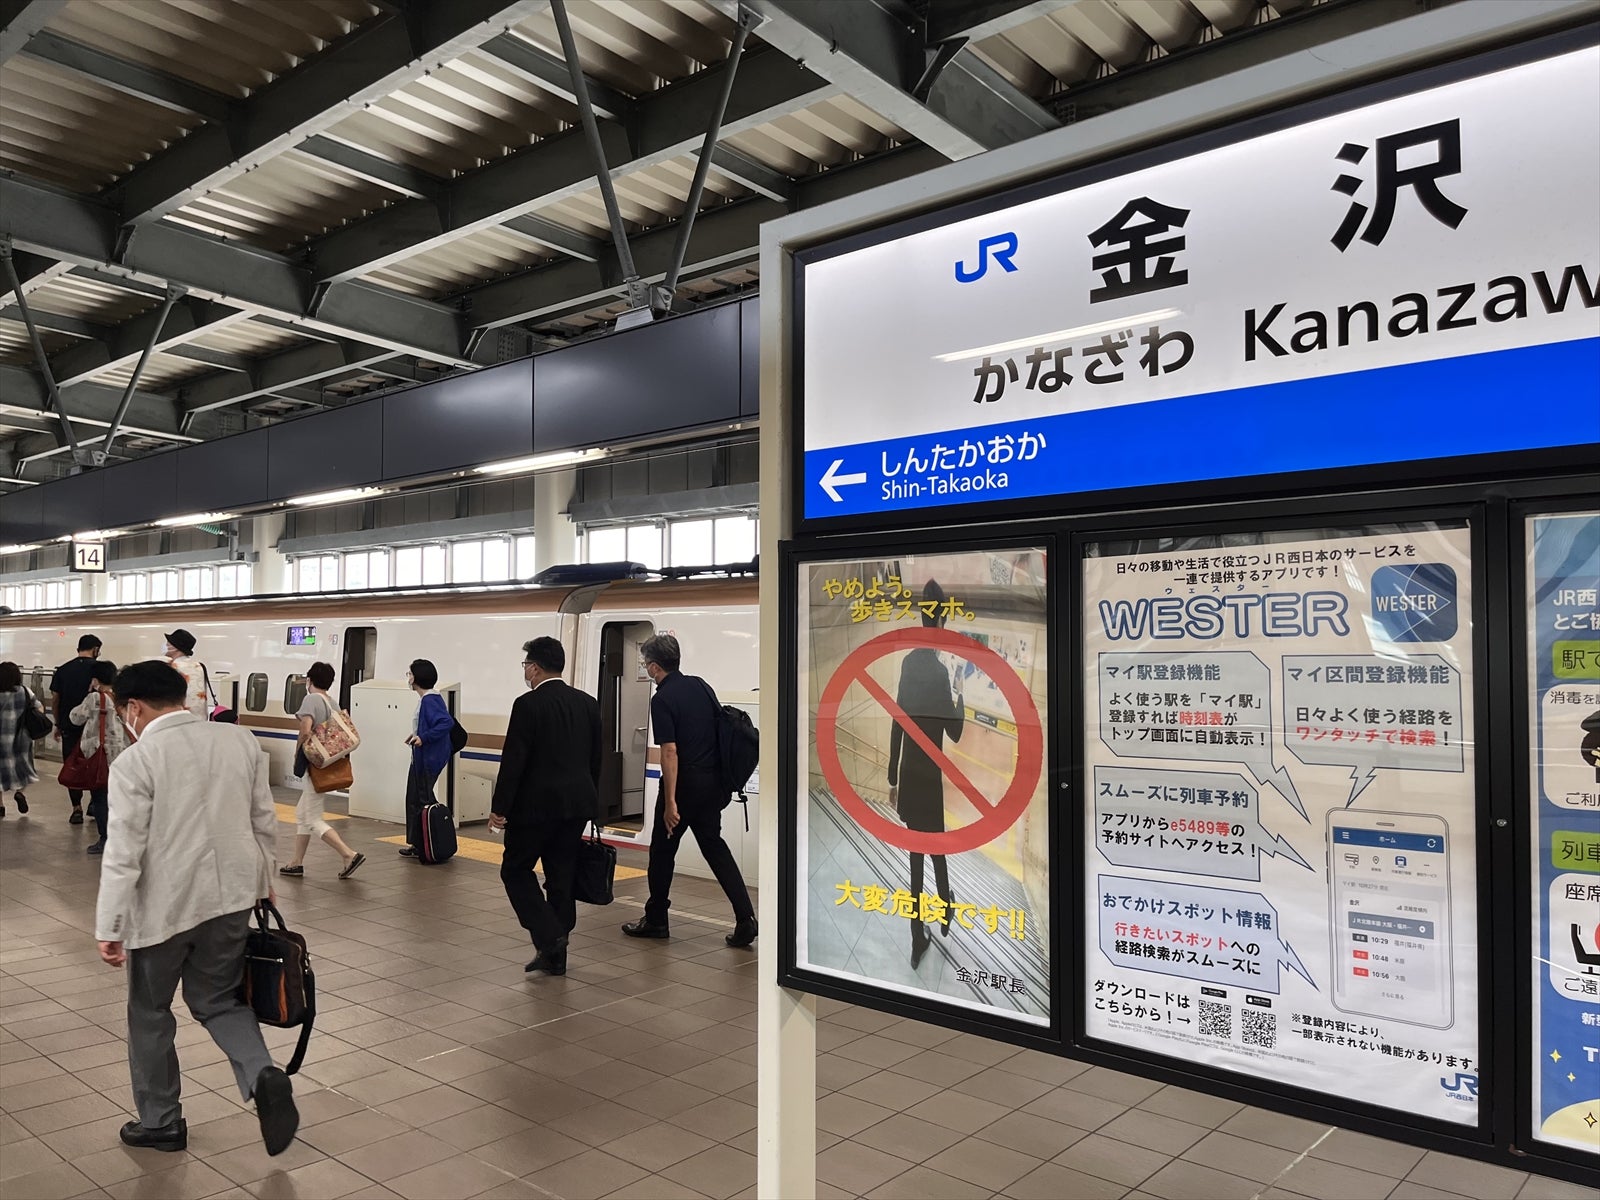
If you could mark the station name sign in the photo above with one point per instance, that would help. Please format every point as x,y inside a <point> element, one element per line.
<point>1413,279</point>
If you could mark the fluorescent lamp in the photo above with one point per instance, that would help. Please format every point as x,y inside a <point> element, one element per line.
<point>19,549</point>
<point>97,535</point>
<point>1061,335</point>
<point>337,497</point>
<point>205,518</point>
<point>559,458</point>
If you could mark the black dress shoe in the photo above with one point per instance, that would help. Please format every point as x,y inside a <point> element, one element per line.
<point>743,933</point>
<point>22,803</point>
<point>550,964</point>
<point>275,1109</point>
<point>408,851</point>
<point>644,929</point>
<point>168,1138</point>
<point>75,819</point>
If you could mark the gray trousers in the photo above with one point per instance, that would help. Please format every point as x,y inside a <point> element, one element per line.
<point>209,961</point>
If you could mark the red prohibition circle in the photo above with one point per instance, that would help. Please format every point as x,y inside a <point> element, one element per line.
<point>999,817</point>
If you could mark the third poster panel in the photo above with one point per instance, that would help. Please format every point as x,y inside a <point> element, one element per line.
<point>1281,877</point>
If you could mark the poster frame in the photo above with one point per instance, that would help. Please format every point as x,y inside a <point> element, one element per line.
<point>1553,504</point>
<point>1495,505</point>
<point>1421,470</point>
<point>793,557</point>
<point>1313,522</point>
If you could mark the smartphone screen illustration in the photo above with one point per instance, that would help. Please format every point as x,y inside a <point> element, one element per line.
<point>1389,879</point>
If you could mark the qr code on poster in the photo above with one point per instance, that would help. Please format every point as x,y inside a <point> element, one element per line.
<point>1216,1020</point>
<point>1260,1029</point>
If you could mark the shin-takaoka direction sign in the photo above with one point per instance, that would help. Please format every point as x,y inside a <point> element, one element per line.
<point>1417,278</point>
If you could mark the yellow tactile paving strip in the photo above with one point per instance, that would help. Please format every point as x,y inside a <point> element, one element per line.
<point>286,814</point>
<point>479,850</point>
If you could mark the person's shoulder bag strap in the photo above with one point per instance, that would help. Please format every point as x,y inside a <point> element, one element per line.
<point>206,675</point>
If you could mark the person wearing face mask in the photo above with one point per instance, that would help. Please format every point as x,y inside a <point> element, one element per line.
<point>180,653</point>
<point>96,716</point>
<point>430,749</point>
<point>193,836</point>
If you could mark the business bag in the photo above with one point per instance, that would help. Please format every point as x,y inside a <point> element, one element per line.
<point>278,984</point>
<point>87,773</point>
<point>337,777</point>
<point>595,872</point>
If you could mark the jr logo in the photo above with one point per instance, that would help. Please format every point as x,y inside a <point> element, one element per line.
<point>1462,1087</point>
<point>1003,247</point>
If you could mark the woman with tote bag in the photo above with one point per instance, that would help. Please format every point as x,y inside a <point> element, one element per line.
<point>314,711</point>
<point>104,737</point>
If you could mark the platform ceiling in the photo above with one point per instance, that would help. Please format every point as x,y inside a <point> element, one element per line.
<point>345,195</point>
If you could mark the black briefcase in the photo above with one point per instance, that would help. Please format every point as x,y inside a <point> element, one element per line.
<point>278,984</point>
<point>596,870</point>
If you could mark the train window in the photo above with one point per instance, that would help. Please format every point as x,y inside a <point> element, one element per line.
<point>294,692</point>
<point>255,692</point>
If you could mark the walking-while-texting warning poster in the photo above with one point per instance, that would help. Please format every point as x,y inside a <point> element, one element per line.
<point>1564,645</point>
<point>923,830</point>
<point>1280,838</point>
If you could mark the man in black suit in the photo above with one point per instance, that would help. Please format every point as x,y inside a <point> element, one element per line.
<point>548,789</point>
<point>916,785</point>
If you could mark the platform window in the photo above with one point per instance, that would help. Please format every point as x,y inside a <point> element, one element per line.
<point>608,544</point>
<point>294,693</point>
<point>736,539</point>
<point>644,544</point>
<point>525,560</point>
<point>133,588</point>
<point>55,594</point>
<point>74,593</point>
<point>689,544</point>
<point>433,565</point>
<point>197,583</point>
<point>233,579</point>
<point>377,568</point>
<point>496,560</point>
<point>355,572</point>
<point>408,566</point>
<point>317,573</point>
<point>164,586</point>
<point>11,597</point>
<point>255,692</point>
<point>466,562</point>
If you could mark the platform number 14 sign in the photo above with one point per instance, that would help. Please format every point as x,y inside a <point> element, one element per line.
<point>88,556</point>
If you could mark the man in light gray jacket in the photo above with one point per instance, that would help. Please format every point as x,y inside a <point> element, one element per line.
<point>190,849</point>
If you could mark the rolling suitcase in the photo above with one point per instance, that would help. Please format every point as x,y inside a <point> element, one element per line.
<point>438,834</point>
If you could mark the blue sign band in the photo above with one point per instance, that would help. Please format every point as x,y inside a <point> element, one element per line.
<point>1530,398</point>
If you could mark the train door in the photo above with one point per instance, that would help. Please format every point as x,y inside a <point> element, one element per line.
<point>360,660</point>
<point>624,694</point>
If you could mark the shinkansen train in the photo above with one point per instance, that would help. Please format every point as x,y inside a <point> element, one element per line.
<point>258,650</point>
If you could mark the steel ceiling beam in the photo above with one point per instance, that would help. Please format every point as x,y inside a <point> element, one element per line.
<point>665,126</point>
<point>979,19</point>
<point>551,75</point>
<point>189,318</point>
<point>132,79</point>
<point>71,228</point>
<point>366,65</point>
<point>874,51</point>
<point>94,404</point>
<point>272,372</point>
<point>21,21</point>
<point>724,237</point>
<point>52,322</point>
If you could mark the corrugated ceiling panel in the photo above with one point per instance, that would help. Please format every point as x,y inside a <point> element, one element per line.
<point>249,338</point>
<point>58,126</point>
<point>828,132</point>
<point>91,300</point>
<point>284,201</point>
<point>463,261</point>
<point>16,348</point>
<point>638,45</point>
<point>231,46</point>
<point>162,372</point>
<point>645,198</point>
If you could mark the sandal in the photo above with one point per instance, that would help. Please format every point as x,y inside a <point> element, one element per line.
<point>355,864</point>
<point>291,870</point>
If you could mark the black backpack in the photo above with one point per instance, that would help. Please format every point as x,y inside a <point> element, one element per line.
<point>738,750</point>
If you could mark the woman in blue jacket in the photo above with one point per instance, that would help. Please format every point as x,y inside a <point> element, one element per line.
<point>430,748</point>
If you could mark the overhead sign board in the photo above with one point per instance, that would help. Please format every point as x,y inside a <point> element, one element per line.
<point>89,557</point>
<point>1413,279</point>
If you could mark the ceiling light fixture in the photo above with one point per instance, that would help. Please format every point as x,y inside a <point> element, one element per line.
<point>537,462</point>
<point>205,518</point>
<point>335,497</point>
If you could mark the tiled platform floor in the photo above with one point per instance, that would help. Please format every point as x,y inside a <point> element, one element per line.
<point>439,1070</point>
